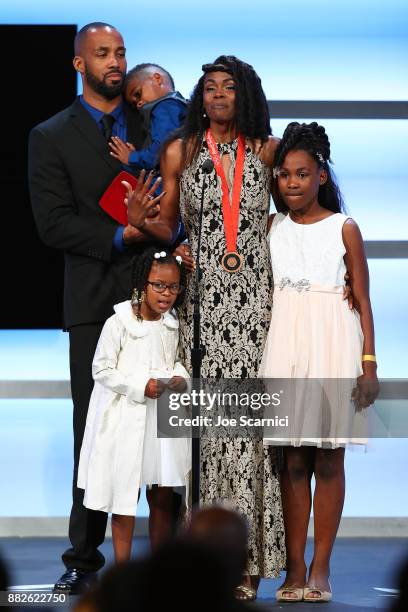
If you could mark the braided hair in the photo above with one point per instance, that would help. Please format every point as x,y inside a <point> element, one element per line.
<point>251,108</point>
<point>142,264</point>
<point>312,138</point>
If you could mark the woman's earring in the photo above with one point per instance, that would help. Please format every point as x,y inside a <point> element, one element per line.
<point>135,297</point>
<point>136,301</point>
<point>204,115</point>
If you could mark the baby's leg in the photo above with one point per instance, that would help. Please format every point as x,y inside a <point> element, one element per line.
<point>122,536</point>
<point>160,500</point>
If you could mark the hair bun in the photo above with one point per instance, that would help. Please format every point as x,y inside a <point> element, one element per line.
<point>311,137</point>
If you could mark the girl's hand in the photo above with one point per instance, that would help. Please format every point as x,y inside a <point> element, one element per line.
<point>177,383</point>
<point>141,202</point>
<point>368,387</point>
<point>120,150</point>
<point>184,250</point>
<point>154,388</point>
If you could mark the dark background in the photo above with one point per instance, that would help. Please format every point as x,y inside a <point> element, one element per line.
<point>41,84</point>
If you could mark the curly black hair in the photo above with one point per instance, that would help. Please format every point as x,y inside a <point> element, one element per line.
<point>252,114</point>
<point>312,138</point>
<point>142,265</point>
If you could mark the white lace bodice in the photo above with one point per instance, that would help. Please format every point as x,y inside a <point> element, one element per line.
<point>308,252</point>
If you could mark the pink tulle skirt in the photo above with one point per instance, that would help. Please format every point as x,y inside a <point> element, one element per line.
<point>314,335</point>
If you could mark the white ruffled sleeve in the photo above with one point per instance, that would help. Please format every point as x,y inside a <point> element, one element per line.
<point>104,366</point>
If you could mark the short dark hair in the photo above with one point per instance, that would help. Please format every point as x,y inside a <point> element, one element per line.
<point>81,34</point>
<point>142,67</point>
<point>312,138</point>
<point>149,583</point>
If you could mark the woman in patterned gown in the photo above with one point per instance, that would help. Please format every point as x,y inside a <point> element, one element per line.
<point>229,101</point>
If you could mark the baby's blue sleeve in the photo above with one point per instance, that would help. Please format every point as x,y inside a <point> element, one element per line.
<point>166,117</point>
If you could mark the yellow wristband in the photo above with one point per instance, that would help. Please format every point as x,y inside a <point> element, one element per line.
<point>368,358</point>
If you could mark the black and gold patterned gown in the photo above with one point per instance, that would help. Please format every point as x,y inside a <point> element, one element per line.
<point>235,315</point>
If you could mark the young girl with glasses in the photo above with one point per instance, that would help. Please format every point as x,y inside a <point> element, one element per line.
<point>121,452</point>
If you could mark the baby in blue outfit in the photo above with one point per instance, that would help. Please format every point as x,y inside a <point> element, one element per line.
<point>149,88</point>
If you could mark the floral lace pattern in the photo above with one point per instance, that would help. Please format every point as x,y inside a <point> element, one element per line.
<point>235,315</point>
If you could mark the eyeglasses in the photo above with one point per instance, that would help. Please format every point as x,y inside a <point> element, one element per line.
<point>160,287</point>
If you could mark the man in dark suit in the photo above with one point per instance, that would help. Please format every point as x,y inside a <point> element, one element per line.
<point>70,167</point>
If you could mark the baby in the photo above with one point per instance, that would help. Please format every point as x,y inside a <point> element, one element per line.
<point>149,88</point>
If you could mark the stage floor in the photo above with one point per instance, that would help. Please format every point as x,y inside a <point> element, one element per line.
<point>363,570</point>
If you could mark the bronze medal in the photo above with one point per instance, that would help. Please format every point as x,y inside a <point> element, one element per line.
<point>232,262</point>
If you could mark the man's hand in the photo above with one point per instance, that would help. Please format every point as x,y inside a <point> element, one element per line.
<point>131,235</point>
<point>347,292</point>
<point>177,383</point>
<point>184,250</point>
<point>154,388</point>
<point>120,149</point>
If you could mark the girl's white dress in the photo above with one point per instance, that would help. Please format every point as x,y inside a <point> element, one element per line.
<point>120,450</point>
<point>313,333</point>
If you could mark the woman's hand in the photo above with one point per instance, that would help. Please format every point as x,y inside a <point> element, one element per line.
<point>177,383</point>
<point>154,388</point>
<point>184,250</point>
<point>141,202</point>
<point>347,292</point>
<point>368,387</point>
<point>120,149</point>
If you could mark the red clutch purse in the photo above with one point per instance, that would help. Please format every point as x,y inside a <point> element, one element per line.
<point>112,200</point>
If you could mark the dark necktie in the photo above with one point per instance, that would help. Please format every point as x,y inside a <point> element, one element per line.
<point>107,123</point>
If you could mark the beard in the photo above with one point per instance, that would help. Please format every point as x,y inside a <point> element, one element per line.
<point>102,88</point>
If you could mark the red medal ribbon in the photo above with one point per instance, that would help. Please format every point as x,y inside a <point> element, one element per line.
<point>230,211</point>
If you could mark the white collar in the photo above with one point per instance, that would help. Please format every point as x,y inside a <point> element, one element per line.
<point>136,328</point>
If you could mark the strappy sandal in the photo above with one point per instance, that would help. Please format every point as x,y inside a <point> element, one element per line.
<point>322,595</point>
<point>244,593</point>
<point>296,591</point>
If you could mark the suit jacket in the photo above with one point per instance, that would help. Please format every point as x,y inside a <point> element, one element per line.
<point>69,169</point>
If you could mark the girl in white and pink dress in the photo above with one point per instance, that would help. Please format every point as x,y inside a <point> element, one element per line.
<point>315,335</point>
